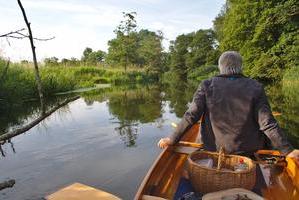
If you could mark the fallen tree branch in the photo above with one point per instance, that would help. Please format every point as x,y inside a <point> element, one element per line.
<point>27,127</point>
<point>7,184</point>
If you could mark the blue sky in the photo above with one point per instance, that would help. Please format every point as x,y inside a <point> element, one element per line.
<point>77,24</point>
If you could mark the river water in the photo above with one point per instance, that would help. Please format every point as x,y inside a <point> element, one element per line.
<point>106,139</point>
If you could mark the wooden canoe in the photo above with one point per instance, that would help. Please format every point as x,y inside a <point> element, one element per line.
<point>162,180</point>
<point>78,191</point>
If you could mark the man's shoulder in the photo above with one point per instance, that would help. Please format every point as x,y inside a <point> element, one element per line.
<point>206,83</point>
<point>249,81</point>
<point>240,77</point>
<point>254,82</point>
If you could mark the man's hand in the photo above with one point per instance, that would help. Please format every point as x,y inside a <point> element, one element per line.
<point>164,142</point>
<point>295,155</point>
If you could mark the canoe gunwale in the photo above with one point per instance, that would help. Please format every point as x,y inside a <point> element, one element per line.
<point>167,154</point>
<point>167,159</point>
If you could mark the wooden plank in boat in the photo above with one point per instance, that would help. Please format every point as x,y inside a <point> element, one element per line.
<point>235,193</point>
<point>149,197</point>
<point>185,150</point>
<point>78,191</point>
<point>293,171</point>
<point>163,177</point>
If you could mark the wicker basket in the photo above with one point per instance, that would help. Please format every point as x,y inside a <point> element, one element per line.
<point>205,180</point>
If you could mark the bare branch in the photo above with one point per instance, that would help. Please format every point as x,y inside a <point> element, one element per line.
<point>19,35</point>
<point>44,39</point>
<point>12,32</point>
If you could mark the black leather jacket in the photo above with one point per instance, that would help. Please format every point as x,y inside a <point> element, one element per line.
<point>237,116</point>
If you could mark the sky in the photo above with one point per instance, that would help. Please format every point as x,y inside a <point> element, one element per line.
<point>77,24</point>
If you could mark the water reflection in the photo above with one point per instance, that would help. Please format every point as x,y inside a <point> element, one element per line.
<point>130,107</point>
<point>11,144</point>
<point>135,104</point>
<point>128,132</point>
<point>84,142</point>
<point>15,115</point>
<point>179,94</point>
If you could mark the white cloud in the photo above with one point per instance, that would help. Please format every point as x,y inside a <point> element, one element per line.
<point>77,24</point>
<point>59,5</point>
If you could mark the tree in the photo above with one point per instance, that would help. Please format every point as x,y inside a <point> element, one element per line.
<point>201,51</point>
<point>96,57</point>
<point>93,57</point>
<point>52,61</point>
<point>178,50</point>
<point>64,61</point>
<point>86,53</point>
<point>122,49</point>
<point>265,33</point>
<point>150,50</point>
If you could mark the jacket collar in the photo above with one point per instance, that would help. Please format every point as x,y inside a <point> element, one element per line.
<point>231,75</point>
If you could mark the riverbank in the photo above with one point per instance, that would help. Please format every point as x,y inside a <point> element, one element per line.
<point>18,81</point>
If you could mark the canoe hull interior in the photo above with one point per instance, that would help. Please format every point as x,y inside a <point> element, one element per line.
<point>163,178</point>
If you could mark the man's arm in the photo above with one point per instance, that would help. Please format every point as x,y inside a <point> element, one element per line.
<point>269,125</point>
<point>191,116</point>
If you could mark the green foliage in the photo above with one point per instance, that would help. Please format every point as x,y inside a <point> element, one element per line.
<point>122,49</point>
<point>150,50</point>
<point>52,61</point>
<point>290,85</point>
<point>203,72</point>
<point>18,83</point>
<point>69,62</point>
<point>266,33</point>
<point>129,106</point>
<point>178,52</point>
<point>86,52</point>
<point>192,51</point>
<point>93,57</point>
<point>132,48</point>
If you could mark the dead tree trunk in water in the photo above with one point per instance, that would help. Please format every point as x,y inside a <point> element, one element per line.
<point>7,184</point>
<point>37,75</point>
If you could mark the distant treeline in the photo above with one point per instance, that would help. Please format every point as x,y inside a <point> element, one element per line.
<point>266,33</point>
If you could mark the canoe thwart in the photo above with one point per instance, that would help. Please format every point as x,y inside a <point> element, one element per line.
<point>189,144</point>
<point>149,197</point>
<point>184,150</point>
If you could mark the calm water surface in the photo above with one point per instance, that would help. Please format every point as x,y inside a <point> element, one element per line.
<point>106,139</point>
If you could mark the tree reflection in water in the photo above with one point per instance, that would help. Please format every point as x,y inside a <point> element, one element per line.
<point>128,132</point>
<point>131,107</point>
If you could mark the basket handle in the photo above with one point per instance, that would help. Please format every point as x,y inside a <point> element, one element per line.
<point>220,158</point>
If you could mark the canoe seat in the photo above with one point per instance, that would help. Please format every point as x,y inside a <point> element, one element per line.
<point>149,197</point>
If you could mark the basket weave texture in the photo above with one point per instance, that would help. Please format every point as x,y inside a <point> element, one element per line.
<point>205,180</point>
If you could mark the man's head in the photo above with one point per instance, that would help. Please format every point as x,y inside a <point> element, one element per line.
<point>230,62</point>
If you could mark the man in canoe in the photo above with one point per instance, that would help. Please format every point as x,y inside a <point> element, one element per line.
<point>236,113</point>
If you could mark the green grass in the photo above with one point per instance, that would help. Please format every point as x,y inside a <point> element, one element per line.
<point>290,85</point>
<point>18,83</point>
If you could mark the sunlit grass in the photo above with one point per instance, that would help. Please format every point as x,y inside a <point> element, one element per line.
<point>19,81</point>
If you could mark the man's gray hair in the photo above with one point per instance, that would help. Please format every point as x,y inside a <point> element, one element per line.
<point>230,62</point>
